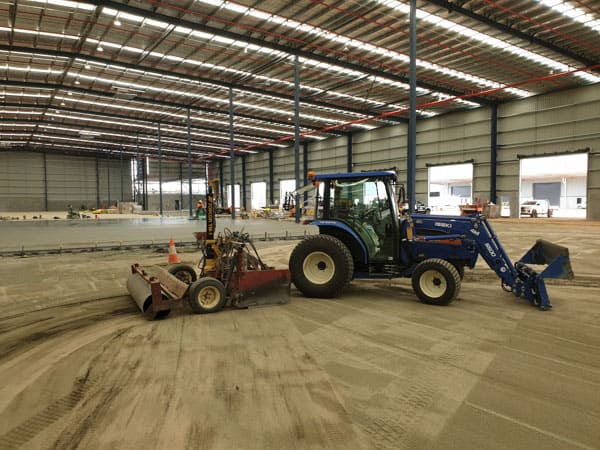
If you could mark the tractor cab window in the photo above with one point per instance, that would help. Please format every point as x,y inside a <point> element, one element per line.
<point>363,205</point>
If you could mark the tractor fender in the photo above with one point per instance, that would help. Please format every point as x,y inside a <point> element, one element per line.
<point>346,234</point>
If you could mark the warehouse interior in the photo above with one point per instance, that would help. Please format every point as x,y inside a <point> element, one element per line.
<point>119,118</point>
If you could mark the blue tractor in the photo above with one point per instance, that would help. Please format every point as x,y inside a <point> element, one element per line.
<point>363,235</point>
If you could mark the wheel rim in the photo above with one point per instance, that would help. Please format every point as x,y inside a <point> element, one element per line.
<point>209,297</point>
<point>184,276</point>
<point>433,284</point>
<point>318,268</point>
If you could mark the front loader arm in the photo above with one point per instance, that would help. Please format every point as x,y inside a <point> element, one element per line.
<point>520,278</point>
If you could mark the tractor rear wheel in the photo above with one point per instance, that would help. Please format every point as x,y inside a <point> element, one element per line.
<point>321,266</point>
<point>183,272</point>
<point>436,281</point>
<point>206,295</point>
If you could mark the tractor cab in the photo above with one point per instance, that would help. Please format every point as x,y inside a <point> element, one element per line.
<point>359,209</point>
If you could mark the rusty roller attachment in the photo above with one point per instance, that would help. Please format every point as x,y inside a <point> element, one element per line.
<point>147,294</point>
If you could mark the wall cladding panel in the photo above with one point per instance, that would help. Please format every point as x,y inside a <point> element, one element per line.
<point>22,181</point>
<point>70,180</point>
<point>554,123</point>
<point>328,155</point>
<point>559,123</point>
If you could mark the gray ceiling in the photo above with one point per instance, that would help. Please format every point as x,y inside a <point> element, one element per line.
<point>99,76</point>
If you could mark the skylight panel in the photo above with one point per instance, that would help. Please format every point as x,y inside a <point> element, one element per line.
<point>155,23</point>
<point>23,94</point>
<point>30,69</point>
<point>40,33</point>
<point>574,13</point>
<point>19,112</point>
<point>66,4</point>
<point>236,8</point>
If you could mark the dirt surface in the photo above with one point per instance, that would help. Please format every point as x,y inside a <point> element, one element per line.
<point>81,367</point>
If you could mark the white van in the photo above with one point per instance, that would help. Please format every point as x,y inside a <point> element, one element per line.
<point>534,208</point>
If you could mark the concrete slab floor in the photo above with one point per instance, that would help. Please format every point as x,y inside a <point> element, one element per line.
<point>374,368</point>
<point>33,234</point>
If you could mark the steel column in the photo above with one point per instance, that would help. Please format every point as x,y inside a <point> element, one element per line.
<point>160,199</point>
<point>122,192</point>
<point>180,186</point>
<point>411,160</point>
<point>97,183</point>
<point>271,180</point>
<point>243,205</point>
<point>189,149</point>
<point>221,183</point>
<point>349,151</point>
<point>305,166</point>
<point>45,182</point>
<point>231,153</point>
<point>297,136</point>
<point>108,177</point>
<point>493,152</point>
<point>145,183</point>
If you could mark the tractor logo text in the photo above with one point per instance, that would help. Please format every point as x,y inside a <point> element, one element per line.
<point>443,225</point>
<point>490,249</point>
<point>475,232</point>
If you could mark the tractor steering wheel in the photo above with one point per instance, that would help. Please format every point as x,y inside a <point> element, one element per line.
<point>369,214</point>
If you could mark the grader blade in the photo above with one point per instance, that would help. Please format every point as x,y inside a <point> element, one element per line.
<point>261,288</point>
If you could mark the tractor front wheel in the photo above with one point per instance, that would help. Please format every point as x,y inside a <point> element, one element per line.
<point>321,266</point>
<point>436,281</point>
<point>206,295</point>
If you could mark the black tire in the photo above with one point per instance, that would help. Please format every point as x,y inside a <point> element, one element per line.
<point>183,272</point>
<point>436,282</point>
<point>428,211</point>
<point>533,213</point>
<point>206,295</point>
<point>321,266</point>
<point>549,213</point>
<point>459,268</point>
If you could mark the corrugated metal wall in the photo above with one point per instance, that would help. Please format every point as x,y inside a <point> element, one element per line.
<point>39,182</point>
<point>550,124</point>
<point>22,182</point>
<point>557,123</point>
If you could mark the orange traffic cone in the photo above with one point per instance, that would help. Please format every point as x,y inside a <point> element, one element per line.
<point>173,258</point>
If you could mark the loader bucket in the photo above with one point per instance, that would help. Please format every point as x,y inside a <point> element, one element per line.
<point>557,264</point>
<point>555,257</point>
<point>262,287</point>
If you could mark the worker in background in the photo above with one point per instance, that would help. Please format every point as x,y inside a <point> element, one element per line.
<point>199,209</point>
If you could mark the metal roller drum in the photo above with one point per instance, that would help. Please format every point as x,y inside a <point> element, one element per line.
<point>141,293</point>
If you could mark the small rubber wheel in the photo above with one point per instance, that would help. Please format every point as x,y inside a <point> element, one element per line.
<point>436,281</point>
<point>183,272</point>
<point>534,213</point>
<point>549,213</point>
<point>321,266</point>
<point>206,295</point>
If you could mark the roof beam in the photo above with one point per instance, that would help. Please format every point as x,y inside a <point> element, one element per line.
<point>150,102</point>
<point>41,121</point>
<point>305,99</point>
<point>123,116</point>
